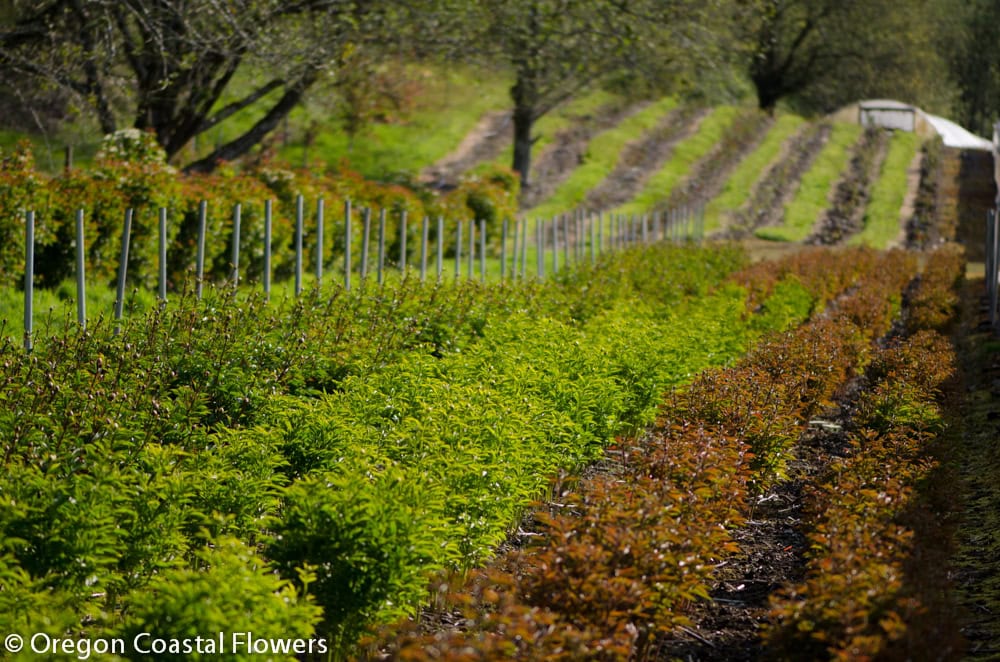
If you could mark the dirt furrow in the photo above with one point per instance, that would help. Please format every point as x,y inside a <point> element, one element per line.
<point>766,205</point>
<point>642,157</point>
<point>567,151</point>
<point>709,174</point>
<point>484,143</point>
<point>845,215</point>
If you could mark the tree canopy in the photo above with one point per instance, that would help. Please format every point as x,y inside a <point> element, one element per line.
<point>179,68</point>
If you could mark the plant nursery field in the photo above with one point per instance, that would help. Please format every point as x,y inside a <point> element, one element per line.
<point>581,422</point>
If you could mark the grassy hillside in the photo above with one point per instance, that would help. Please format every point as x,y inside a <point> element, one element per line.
<point>812,197</point>
<point>602,156</point>
<point>686,154</point>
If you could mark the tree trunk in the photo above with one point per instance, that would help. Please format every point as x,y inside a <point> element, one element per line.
<point>768,92</point>
<point>241,145</point>
<point>523,122</point>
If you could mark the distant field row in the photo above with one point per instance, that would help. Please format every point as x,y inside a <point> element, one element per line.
<point>442,108</point>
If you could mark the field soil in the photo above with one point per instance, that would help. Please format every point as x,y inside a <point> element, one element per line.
<point>709,174</point>
<point>568,150</point>
<point>766,203</point>
<point>845,215</point>
<point>485,142</point>
<point>642,157</point>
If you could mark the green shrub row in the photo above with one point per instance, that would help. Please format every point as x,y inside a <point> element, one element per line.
<point>350,442</point>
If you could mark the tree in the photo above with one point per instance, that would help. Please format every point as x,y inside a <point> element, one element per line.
<point>556,48</point>
<point>166,64</point>
<point>825,53</point>
<point>976,64</point>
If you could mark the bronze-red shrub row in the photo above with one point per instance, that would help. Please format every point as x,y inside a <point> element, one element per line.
<point>619,560</point>
<point>872,589</point>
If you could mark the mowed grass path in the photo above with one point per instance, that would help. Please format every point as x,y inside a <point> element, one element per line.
<point>603,154</point>
<point>449,105</point>
<point>736,191</point>
<point>812,197</point>
<point>888,192</point>
<point>685,155</point>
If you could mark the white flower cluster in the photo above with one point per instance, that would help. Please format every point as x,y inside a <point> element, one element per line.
<point>133,146</point>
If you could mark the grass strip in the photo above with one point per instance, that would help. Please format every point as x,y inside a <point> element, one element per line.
<point>685,155</point>
<point>812,197</point>
<point>742,180</point>
<point>881,220</point>
<point>603,152</point>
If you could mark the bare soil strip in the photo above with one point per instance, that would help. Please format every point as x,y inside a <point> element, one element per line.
<point>766,204</point>
<point>484,143</point>
<point>845,215</point>
<point>906,212</point>
<point>567,151</point>
<point>709,174</point>
<point>642,157</point>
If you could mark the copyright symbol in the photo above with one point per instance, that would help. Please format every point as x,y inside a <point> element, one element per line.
<point>13,642</point>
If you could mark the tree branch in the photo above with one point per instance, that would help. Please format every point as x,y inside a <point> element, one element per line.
<point>240,146</point>
<point>231,109</point>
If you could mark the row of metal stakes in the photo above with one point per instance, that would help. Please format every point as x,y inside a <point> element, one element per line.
<point>573,235</point>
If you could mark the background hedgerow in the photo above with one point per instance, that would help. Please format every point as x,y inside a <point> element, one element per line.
<point>130,171</point>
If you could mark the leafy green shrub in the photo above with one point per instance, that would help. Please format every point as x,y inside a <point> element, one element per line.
<point>229,589</point>
<point>365,544</point>
<point>21,190</point>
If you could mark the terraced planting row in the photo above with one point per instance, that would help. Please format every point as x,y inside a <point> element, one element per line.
<point>786,182</point>
<point>615,563</point>
<point>308,464</point>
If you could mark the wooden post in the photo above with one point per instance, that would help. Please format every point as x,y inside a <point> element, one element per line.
<point>458,251</point>
<point>555,245</point>
<point>440,248</point>
<point>472,247</point>
<point>424,238</point>
<point>267,249</point>
<point>162,251</point>
<point>298,243</point>
<point>503,251</point>
<point>566,241</point>
<point>517,246</point>
<point>319,241</point>
<point>365,237</point>
<point>524,246</point>
<point>540,244</point>
<point>237,215</point>
<point>200,251</point>
<point>402,243</point>
<point>381,245</point>
<point>348,238</point>
<point>482,250</point>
